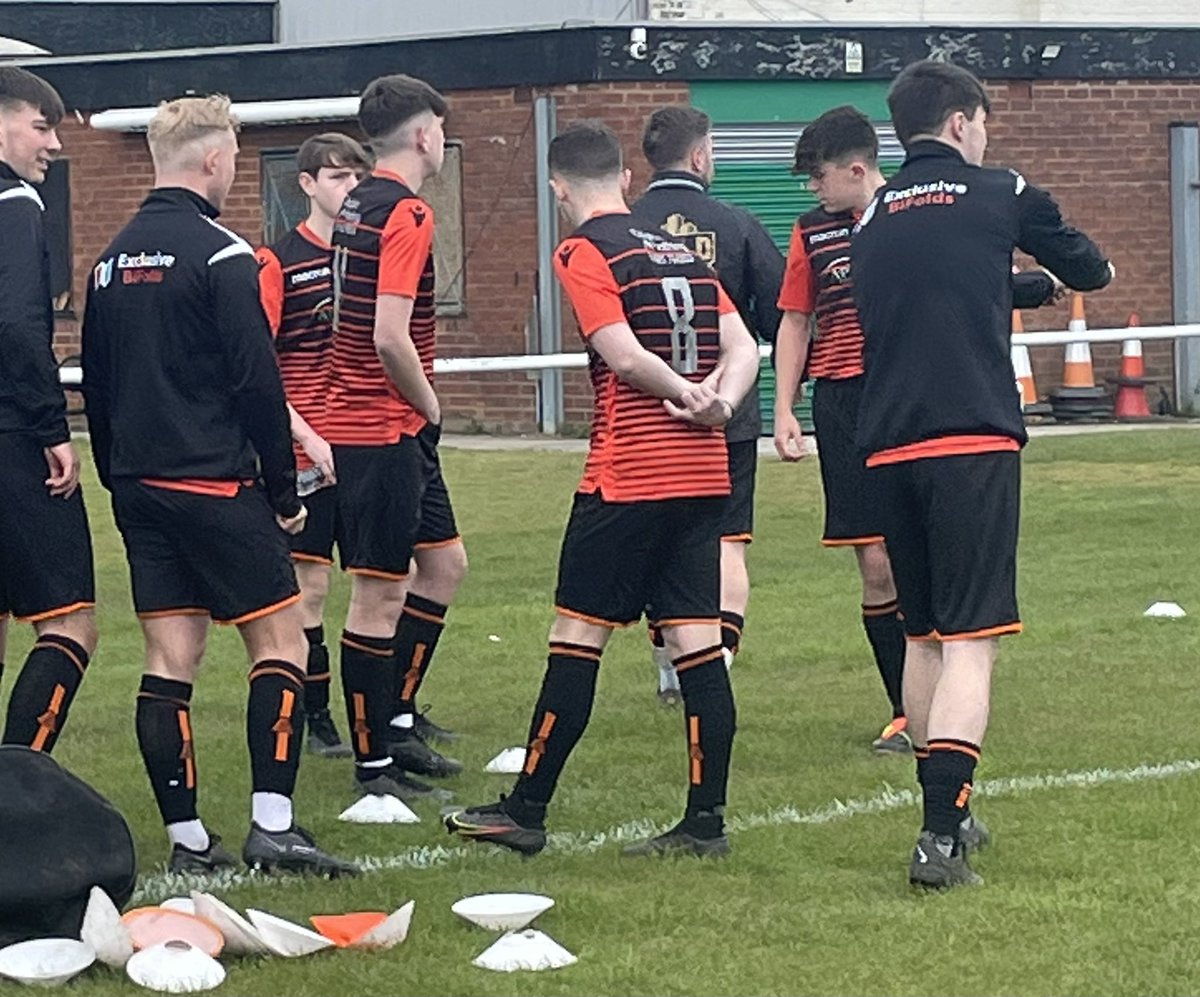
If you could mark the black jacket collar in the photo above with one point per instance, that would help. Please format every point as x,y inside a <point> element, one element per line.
<point>932,148</point>
<point>180,197</point>
<point>676,179</point>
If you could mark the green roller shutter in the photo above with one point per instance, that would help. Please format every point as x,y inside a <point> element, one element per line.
<point>754,159</point>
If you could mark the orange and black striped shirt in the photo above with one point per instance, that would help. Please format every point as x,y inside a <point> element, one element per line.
<point>382,244</point>
<point>295,281</point>
<point>817,280</point>
<point>614,271</point>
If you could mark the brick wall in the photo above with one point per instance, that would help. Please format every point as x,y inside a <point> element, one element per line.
<point>1101,149</point>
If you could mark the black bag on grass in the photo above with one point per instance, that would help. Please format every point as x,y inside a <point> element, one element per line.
<point>58,839</point>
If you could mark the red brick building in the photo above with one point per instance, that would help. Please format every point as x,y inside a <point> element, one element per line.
<point>1091,126</point>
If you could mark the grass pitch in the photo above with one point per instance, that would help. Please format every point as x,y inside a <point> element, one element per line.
<point>1091,882</point>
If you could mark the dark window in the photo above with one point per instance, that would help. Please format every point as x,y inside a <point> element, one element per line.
<point>285,206</point>
<point>56,195</point>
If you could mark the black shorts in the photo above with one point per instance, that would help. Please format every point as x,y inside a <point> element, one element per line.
<point>315,542</point>
<point>45,547</point>
<point>851,509</point>
<point>203,554</point>
<point>392,501</point>
<point>737,519</point>
<point>620,557</point>
<point>951,525</point>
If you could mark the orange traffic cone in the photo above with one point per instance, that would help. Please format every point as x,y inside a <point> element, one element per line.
<point>1131,383</point>
<point>1077,364</point>
<point>1022,368</point>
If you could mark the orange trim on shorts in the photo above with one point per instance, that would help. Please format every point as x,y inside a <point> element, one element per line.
<point>186,611</point>
<point>1007,628</point>
<point>387,576</point>
<point>433,544</point>
<point>212,487</point>
<point>594,620</point>
<point>51,614</point>
<point>737,538</point>
<point>851,541</point>
<point>312,559</point>
<point>63,650</point>
<point>944,446</point>
<point>258,614</point>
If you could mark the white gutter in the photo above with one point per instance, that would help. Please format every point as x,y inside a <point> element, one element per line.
<point>262,112</point>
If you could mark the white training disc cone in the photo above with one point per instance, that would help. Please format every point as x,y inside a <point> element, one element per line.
<point>379,810</point>
<point>286,938</point>
<point>47,962</point>
<point>1166,611</point>
<point>103,930</point>
<point>185,905</point>
<point>510,761</point>
<point>529,950</point>
<point>502,911</point>
<point>391,932</point>
<point>175,967</point>
<point>241,937</point>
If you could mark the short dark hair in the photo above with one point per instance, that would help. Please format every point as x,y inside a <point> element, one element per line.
<point>391,101</point>
<point>925,94</point>
<point>671,132</point>
<point>20,86</point>
<point>331,149</point>
<point>586,150</point>
<point>837,135</point>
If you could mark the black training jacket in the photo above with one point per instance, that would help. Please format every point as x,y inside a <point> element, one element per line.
<point>731,239</point>
<point>932,260</point>
<point>31,400</point>
<point>179,370</point>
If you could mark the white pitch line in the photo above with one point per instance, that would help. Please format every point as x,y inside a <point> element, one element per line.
<point>161,885</point>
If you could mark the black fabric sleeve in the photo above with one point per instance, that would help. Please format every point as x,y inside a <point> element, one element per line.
<point>1032,289</point>
<point>1064,251</point>
<point>27,364</point>
<point>764,275</point>
<point>254,376</point>
<point>96,388</point>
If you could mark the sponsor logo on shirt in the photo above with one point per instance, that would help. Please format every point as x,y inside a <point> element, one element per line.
<point>919,195</point>
<point>308,276</point>
<point>837,233</point>
<point>127,262</point>
<point>661,251</point>
<point>838,271</point>
<point>102,274</point>
<point>703,244</point>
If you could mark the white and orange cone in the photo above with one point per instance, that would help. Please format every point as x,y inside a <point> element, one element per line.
<point>1077,365</point>
<point>1022,367</point>
<point>1131,384</point>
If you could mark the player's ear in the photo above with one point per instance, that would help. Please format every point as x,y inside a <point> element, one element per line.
<point>626,180</point>
<point>308,184</point>
<point>209,163</point>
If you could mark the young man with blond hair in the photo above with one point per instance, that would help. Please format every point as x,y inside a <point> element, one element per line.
<point>46,576</point>
<point>190,433</point>
<point>295,280</point>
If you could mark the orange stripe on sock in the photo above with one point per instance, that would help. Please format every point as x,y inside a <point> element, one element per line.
<point>695,755</point>
<point>258,672</point>
<point>958,746</point>
<point>389,653</point>
<point>684,665</point>
<point>362,733</point>
<point>65,650</point>
<point>964,794</point>
<point>48,721</point>
<point>884,609</point>
<point>413,675</point>
<point>420,614</point>
<point>569,651</point>
<point>282,728</point>
<point>538,747</point>
<point>187,754</point>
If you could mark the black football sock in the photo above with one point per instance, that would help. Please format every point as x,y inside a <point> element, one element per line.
<point>274,720</point>
<point>43,692</point>
<point>710,720</point>
<point>164,734</point>
<point>560,717</point>
<point>885,631</point>
<point>316,681</point>
<point>421,624</point>
<point>367,675</point>
<point>949,774</point>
